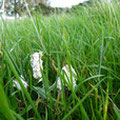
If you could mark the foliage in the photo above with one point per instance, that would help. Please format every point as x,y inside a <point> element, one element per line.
<point>88,39</point>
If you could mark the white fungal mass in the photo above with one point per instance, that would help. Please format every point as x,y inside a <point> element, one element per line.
<point>36,63</point>
<point>69,76</point>
<point>16,83</point>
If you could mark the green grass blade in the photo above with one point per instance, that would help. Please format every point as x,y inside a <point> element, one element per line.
<point>4,107</point>
<point>76,106</point>
<point>8,60</point>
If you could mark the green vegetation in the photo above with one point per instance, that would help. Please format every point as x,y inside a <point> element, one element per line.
<point>88,39</point>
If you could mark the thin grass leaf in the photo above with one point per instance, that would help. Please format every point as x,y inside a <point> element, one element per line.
<point>4,107</point>
<point>21,84</point>
<point>83,99</point>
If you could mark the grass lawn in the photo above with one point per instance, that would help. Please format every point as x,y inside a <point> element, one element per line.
<point>88,40</point>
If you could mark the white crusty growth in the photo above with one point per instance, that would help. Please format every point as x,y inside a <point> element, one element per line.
<point>67,75</point>
<point>16,83</point>
<point>36,63</point>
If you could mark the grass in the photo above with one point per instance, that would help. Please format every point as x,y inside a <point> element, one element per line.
<point>88,39</point>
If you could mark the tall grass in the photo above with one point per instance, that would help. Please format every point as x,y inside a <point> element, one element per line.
<point>87,38</point>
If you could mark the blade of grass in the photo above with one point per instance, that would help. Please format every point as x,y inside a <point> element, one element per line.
<point>83,99</point>
<point>4,107</point>
<point>8,60</point>
<point>106,103</point>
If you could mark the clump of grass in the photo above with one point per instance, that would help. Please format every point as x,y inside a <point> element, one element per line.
<point>88,40</point>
